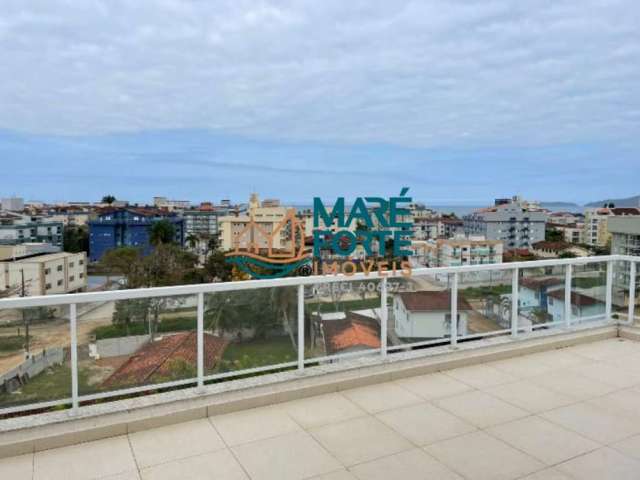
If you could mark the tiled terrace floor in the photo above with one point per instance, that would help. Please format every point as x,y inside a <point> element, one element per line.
<point>565,414</point>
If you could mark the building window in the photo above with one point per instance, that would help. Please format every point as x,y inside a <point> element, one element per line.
<point>47,286</point>
<point>59,268</point>
<point>59,283</point>
<point>81,275</point>
<point>72,278</point>
<point>70,264</point>
<point>80,262</point>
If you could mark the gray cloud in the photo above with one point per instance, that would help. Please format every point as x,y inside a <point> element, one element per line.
<point>413,73</point>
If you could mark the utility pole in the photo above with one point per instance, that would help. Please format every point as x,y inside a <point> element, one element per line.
<point>25,319</point>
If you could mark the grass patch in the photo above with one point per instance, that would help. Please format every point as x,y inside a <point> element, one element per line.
<point>484,292</point>
<point>589,282</point>
<point>142,328</point>
<point>51,384</point>
<point>257,353</point>
<point>12,343</point>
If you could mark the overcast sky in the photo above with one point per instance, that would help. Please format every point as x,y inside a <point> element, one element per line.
<point>459,100</point>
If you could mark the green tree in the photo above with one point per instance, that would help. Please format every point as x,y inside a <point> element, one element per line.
<point>553,235</point>
<point>217,268</point>
<point>162,232</point>
<point>76,239</point>
<point>567,254</point>
<point>192,240</point>
<point>108,199</point>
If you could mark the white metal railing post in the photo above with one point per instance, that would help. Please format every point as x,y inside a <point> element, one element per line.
<point>300,327</point>
<point>515,301</point>
<point>454,310</point>
<point>73,322</point>
<point>200,342</point>
<point>632,292</point>
<point>384,317</point>
<point>609,291</point>
<point>568,273</point>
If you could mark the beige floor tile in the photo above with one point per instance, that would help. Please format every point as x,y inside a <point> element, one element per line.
<point>17,468</point>
<point>548,474</point>
<point>255,424</point>
<point>625,402</point>
<point>543,440</point>
<point>173,442</point>
<point>322,410</point>
<point>604,463</point>
<point>595,423</point>
<point>360,440</point>
<point>480,408</point>
<point>425,423</point>
<point>481,376</point>
<point>410,465</point>
<point>629,446</point>
<point>529,396</point>
<point>287,457</point>
<point>625,362</point>
<point>522,367</point>
<point>479,456</point>
<point>606,349</point>
<point>338,475</point>
<point>130,475</point>
<point>432,386</point>
<point>572,385</point>
<point>384,396</point>
<point>608,374</point>
<point>559,358</point>
<point>86,460</point>
<point>220,465</point>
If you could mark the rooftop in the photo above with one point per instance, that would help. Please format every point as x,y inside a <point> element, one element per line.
<point>567,413</point>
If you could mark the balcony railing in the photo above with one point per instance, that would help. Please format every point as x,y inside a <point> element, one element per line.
<point>69,350</point>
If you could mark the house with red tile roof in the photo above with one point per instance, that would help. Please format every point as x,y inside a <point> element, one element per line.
<point>165,358</point>
<point>353,333</point>
<point>427,314</point>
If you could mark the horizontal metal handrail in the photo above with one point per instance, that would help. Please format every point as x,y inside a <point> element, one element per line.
<point>220,287</point>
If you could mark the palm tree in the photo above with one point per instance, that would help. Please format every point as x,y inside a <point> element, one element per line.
<point>192,241</point>
<point>162,232</point>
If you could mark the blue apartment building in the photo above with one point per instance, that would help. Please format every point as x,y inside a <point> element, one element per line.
<point>128,227</point>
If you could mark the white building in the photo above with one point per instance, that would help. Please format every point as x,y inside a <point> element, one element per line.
<point>457,251</point>
<point>171,205</point>
<point>427,314</point>
<point>12,204</point>
<point>582,306</point>
<point>48,274</point>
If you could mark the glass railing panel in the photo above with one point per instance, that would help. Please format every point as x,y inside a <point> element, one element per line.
<point>34,356</point>
<point>620,295</point>
<point>419,311</point>
<point>588,292</point>
<point>257,328</point>
<point>484,303</point>
<point>541,298</point>
<point>344,319</point>
<point>135,343</point>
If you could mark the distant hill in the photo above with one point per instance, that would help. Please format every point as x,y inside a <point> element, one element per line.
<point>559,204</point>
<point>618,202</point>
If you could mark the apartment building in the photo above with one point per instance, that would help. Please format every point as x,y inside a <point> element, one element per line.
<point>17,228</point>
<point>457,251</point>
<point>12,204</point>
<point>546,249</point>
<point>625,240</point>
<point>128,227</point>
<point>596,232</point>
<point>23,250</point>
<point>170,205</point>
<point>571,232</point>
<point>202,221</point>
<point>515,222</point>
<point>266,216</point>
<point>47,274</point>
<point>432,228</point>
